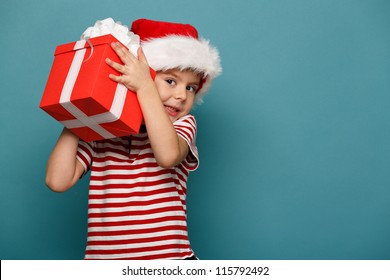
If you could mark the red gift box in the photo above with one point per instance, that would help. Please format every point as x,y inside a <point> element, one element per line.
<point>81,96</point>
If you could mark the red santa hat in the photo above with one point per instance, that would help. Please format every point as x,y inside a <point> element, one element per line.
<point>176,46</point>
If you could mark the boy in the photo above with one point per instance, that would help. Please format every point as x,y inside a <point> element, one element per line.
<point>136,206</point>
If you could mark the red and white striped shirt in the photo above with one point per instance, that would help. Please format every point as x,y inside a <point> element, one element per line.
<point>137,209</point>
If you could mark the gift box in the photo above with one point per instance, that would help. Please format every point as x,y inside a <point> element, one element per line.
<point>80,94</point>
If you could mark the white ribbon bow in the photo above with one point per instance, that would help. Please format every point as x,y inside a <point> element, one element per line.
<point>116,29</point>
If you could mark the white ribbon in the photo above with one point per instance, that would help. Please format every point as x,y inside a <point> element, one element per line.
<point>82,120</point>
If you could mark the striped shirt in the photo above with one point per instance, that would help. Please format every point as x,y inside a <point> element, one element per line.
<point>137,209</point>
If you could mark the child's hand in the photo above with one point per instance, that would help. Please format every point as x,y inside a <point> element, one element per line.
<point>135,71</point>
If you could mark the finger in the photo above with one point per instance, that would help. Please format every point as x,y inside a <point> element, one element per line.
<point>116,66</point>
<point>124,54</point>
<point>141,56</point>
<point>119,79</point>
<point>115,78</point>
<point>122,80</point>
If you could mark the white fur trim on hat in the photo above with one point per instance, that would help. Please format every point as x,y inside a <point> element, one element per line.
<point>184,52</point>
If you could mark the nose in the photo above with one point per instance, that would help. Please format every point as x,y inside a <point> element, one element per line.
<point>180,93</point>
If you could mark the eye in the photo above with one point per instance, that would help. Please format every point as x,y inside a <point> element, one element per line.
<point>191,88</point>
<point>170,81</point>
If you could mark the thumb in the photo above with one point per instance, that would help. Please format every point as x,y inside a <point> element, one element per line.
<point>141,56</point>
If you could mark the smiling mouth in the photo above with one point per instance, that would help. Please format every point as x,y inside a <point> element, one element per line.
<point>172,111</point>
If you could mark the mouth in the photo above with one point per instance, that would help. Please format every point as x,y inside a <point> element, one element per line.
<point>172,111</point>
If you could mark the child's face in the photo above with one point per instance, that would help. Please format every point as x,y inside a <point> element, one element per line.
<point>177,91</point>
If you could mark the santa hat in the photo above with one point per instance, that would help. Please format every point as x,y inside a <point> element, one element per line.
<point>176,46</point>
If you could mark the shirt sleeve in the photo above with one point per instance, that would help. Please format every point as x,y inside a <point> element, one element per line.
<point>84,155</point>
<point>186,129</point>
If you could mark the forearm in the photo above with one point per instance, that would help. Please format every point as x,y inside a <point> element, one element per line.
<point>162,135</point>
<point>168,148</point>
<point>63,169</point>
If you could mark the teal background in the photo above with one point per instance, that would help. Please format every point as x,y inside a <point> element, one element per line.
<point>294,136</point>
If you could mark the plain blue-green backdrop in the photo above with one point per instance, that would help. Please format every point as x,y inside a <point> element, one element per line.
<point>294,137</point>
